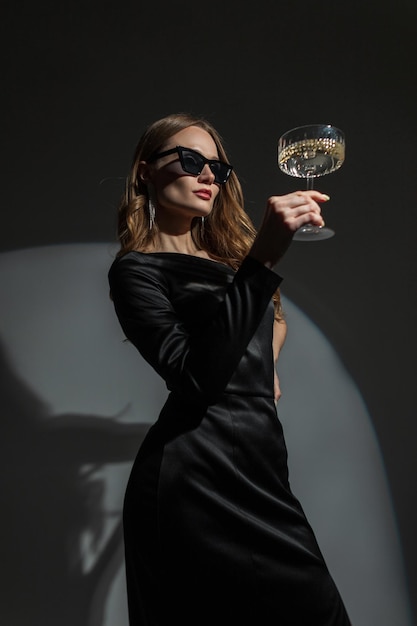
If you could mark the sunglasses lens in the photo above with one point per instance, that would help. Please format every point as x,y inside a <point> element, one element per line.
<point>221,171</point>
<point>192,162</point>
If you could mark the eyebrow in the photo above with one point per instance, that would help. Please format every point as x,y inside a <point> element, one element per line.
<point>212,158</point>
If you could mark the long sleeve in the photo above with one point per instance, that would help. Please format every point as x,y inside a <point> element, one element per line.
<point>196,364</point>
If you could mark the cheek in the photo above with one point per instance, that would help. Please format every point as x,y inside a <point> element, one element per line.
<point>173,190</point>
<point>216,194</point>
<point>169,182</point>
<point>174,187</point>
<point>168,176</point>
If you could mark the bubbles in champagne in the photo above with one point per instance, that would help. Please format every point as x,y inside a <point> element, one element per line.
<point>311,157</point>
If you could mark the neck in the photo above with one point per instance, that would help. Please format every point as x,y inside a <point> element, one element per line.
<point>175,236</point>
<point>183,243</point>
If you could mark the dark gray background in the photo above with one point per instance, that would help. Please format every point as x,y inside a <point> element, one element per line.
<point>82,80</point>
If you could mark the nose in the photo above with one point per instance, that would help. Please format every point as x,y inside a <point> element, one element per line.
<point>206,175</point>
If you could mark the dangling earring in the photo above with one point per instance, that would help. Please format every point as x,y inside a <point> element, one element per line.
<point>151,209</point>
<point>202,226</point>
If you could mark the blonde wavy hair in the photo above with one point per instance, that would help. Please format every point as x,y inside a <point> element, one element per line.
<point>228,231</point>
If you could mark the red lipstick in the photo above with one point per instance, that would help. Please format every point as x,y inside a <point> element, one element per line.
<point>204,194</point>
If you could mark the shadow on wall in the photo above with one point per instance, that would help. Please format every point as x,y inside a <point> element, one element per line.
<point>51,500</point>
<point>77,401</point>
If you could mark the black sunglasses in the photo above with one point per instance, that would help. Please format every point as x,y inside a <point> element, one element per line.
<point>193,162</point>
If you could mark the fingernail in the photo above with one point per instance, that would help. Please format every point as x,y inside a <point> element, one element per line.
<point>325,197</point>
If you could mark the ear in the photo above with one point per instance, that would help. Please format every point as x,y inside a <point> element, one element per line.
<point>143,173</point>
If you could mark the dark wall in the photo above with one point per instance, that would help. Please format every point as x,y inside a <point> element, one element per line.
<point>82,79</point>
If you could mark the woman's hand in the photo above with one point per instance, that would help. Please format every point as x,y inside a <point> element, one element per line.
<point>283,216</point>
<point>277,388</point>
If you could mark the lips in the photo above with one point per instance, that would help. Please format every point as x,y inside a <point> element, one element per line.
<point>204,194</point>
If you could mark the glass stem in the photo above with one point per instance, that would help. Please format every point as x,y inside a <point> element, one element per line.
<point>310,182</point>
<point>309,228</point>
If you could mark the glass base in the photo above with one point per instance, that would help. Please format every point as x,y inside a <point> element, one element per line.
<point>313,233</point>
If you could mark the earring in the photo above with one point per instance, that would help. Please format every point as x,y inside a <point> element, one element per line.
<point>202,226</point>
<point>151,209</point>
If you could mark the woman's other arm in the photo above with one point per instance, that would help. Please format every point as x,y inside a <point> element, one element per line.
<point>280,332</point>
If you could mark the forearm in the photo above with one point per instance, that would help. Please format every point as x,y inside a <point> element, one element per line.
<point>280,333</point>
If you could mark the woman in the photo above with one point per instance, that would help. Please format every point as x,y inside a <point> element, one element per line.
<point>213,533</point>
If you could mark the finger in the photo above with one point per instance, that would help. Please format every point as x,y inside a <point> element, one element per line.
<point>296,199</point>
<point>306,218</point>
<point>303,209</point>
<point>298,208</point>
<point>312,194</point>
<point>300,214</point>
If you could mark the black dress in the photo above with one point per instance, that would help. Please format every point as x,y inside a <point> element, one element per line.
<point>213,534</point>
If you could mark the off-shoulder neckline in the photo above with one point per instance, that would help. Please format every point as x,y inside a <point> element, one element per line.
<point>184,256</point>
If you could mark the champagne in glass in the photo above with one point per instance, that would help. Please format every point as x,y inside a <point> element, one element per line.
<point>308,152</point>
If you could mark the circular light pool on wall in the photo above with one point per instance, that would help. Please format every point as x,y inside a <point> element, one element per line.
<point>62,341</point>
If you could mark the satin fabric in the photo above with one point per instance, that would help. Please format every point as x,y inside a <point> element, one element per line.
<point>213,532</point>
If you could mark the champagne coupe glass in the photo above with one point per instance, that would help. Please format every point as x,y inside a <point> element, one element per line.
<point>308,152</point>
